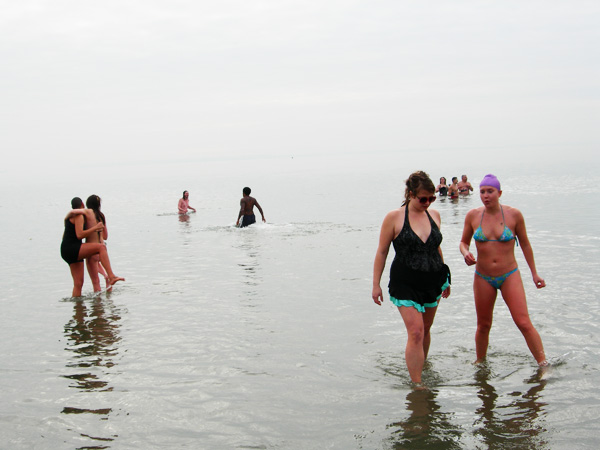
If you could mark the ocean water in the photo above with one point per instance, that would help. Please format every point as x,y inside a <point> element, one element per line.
<point>267,337</point>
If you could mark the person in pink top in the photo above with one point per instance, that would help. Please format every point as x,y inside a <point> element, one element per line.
<point>184,203</point>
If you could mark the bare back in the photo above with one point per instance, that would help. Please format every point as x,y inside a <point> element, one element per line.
<point>90,221</point>
<point>247,205</point>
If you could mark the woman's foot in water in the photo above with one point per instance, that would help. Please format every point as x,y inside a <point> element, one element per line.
<point>114,279</point>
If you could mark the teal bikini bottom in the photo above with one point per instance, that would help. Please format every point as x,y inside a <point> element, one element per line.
<point>496,282</point>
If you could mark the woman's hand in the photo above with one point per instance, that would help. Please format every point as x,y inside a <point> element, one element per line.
<point>377,295</point>
<point>98,227</point>
<point>446,292</point>
<point>539,281</point>
<point>470,259</point>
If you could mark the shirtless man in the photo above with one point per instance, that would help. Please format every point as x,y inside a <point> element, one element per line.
<point>464,187</point>
<point>453,188</point>
<point>184,204</point>
<point>247,205</point>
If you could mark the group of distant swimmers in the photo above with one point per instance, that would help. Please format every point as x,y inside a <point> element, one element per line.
<point>419,279</point>
<point>246,214</point>
<point>457,188</point>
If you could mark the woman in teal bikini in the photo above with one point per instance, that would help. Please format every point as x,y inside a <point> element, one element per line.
<point>495,229</point>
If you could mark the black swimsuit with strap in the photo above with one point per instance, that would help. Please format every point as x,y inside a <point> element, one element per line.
<point>417,272</point>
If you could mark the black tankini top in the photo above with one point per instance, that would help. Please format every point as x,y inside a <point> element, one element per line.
<point>417,272</point>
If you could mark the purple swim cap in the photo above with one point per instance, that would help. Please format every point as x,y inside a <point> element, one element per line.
<point>490,180</point>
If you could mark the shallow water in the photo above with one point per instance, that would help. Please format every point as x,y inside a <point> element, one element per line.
<point>267,338</point>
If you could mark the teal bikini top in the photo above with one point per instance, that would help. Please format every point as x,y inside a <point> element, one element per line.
<point>506,236</point>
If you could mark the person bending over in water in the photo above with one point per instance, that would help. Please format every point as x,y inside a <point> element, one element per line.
<point>184,203</point>
<point>73,251</point>
<point>94,267</point>
<point>247,205</point>
<point>495,230</point>
<point>418,276</point>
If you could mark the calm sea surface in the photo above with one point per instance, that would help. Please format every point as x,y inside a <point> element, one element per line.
<point>267,337</point>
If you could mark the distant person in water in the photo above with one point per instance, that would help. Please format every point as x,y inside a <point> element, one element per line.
<point>247,205</point>
<point>464,187</point>
<point>184,203</point>
<point>495,230</point>
<point>73,251</point>
<point>442,188</point>
<point>93,264</point>
<point>453,188</point>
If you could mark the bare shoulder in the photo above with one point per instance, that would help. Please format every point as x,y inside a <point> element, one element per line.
<point>395,214</point>
<point>393,217</point>
<point>475,212</point>
<point>89,215</point>
<point>434,213</point>
<point>512,214</point>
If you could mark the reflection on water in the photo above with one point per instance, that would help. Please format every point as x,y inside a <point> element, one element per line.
<point>92,340</point>
<point>249,262</point>
<point>427,427</point>
<point>519,424</point>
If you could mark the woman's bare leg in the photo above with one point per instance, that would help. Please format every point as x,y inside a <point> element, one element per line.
<point>514,297</point>
<point>485,299</point>
<point>77,271</point>
<point>92,264</point>
<point>89,249</point>
<point>414,353</point>
<point>428,317</point>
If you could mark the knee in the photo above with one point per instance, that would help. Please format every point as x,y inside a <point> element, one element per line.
<point>525,326</point>
<point>78,283</point>
<point>484,326</point>
<point>416,335</point>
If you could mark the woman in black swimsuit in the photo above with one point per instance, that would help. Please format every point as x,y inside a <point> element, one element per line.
<point>73,251</point>
<point>418,276</point>
<point>442,188</point>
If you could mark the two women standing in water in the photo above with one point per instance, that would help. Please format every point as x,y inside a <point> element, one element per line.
<point>82,224</point>
<point>419,278</point>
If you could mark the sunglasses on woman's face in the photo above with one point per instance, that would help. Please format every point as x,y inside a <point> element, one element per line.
<point>424,200</point>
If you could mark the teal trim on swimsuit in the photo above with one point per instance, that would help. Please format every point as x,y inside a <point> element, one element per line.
<point>409,303</point>
<point>496,282</point>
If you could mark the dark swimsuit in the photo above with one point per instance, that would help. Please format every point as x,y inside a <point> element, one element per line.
<point>417,275</point>
<point>248,220</point>
<point>69,248</point>
<point>443,190</point>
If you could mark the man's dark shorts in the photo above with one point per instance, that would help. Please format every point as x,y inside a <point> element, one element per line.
<point>248,220</point>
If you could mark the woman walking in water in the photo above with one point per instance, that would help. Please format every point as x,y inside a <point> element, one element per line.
<point>418,276</point>
<point>496,229</point>
<point>73,251</point>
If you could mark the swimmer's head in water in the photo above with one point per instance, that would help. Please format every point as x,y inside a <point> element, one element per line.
<point>76,203</point>
<point>490,180</point>
<point>186,194</point>
<point>247,191</point>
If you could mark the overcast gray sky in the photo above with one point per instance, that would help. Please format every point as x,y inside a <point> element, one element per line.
<point>179,79</point>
